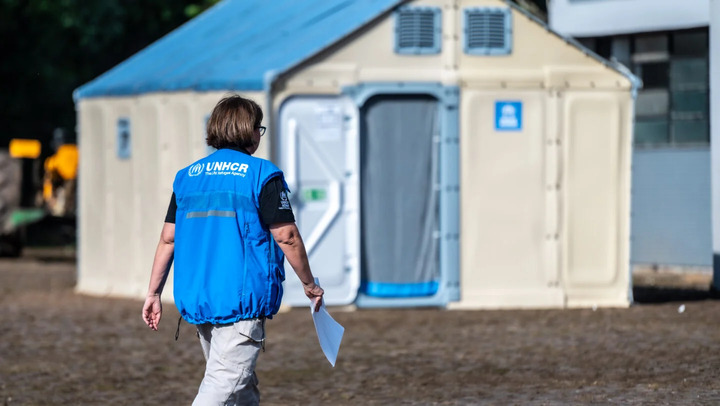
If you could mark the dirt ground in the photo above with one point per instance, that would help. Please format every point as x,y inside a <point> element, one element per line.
<point>60,348</point>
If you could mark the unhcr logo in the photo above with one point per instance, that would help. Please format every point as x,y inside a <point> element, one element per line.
<point>226,168</point>
<point>196,169</point>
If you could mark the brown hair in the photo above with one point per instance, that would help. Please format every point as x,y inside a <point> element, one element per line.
<point>233,122</point>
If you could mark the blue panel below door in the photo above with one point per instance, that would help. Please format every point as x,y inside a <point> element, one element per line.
<point>381,289</point>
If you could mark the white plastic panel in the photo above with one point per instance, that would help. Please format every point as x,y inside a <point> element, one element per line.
<point>595,234</point>
<point>319,152</point>
<point>91,195</point>
<point>504,195</point>
<point>592,191</point>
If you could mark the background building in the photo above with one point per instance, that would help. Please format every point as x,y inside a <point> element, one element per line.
<point>666,44</point>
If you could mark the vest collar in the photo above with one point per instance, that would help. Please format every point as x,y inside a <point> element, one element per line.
<point>238,149</point>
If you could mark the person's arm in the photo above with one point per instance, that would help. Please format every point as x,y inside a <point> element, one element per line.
<point>288,238</point>
<point>164,254</point>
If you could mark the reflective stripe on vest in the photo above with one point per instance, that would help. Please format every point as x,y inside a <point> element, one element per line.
<point>211,213</point>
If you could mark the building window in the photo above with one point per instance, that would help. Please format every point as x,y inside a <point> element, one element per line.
<point>488,31</point>
<point>418,30</point>
<point>674,70</point>
<point>690,99</point>
<point>672,108</point>
<point>124,146</point>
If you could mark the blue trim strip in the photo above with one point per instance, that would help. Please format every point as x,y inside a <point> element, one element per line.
<point>385,289</point>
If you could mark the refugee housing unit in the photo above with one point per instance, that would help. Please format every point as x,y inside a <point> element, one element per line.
<point>666,44</point>
<point>439,152</point>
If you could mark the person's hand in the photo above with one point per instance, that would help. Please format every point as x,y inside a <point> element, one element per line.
<point>314,293</point>
<point>152,311</point>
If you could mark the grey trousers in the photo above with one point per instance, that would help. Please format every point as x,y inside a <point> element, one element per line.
<point>231,352</point>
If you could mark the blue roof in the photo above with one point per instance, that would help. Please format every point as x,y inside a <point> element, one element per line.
<point>234,44</point>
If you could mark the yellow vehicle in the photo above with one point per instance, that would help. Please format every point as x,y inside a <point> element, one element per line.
<point>60,181</point>
<point>24,199</point>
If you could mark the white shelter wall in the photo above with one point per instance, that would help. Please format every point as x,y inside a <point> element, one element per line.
<point>118,199</point>
<point>504,258</point>
<point>91,196</point>
<point>149,202</point>
<point>502,180</point>
<point>597,143</point>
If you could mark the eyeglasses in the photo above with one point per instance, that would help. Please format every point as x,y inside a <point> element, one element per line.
<point>261,129</point>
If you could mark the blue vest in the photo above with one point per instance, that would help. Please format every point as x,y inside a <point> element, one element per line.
<point>227,264</point>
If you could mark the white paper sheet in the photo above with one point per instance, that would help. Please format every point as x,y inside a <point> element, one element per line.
<point>330,332</point>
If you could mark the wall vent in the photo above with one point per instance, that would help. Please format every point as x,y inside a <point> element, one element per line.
<point>488,31</point>
<point>418,30</point>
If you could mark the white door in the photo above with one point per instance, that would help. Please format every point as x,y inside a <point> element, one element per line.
<point>319,154</point>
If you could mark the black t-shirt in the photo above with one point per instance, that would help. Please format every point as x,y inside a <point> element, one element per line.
<point>274,204</point>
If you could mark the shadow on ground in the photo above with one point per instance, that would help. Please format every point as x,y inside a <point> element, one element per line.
<point>658,294</point>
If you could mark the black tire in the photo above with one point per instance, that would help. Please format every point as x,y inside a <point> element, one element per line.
<point>11,245</point>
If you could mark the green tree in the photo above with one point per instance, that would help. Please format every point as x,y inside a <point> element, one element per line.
<point>50,47</point>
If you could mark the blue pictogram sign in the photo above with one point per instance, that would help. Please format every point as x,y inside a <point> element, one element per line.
<point>508,115</point>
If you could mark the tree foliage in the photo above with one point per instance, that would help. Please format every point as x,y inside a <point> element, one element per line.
<point>50,47</point>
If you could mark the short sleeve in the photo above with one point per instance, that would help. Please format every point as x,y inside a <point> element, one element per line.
<point>172,208</point>
<point>274,203</point>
